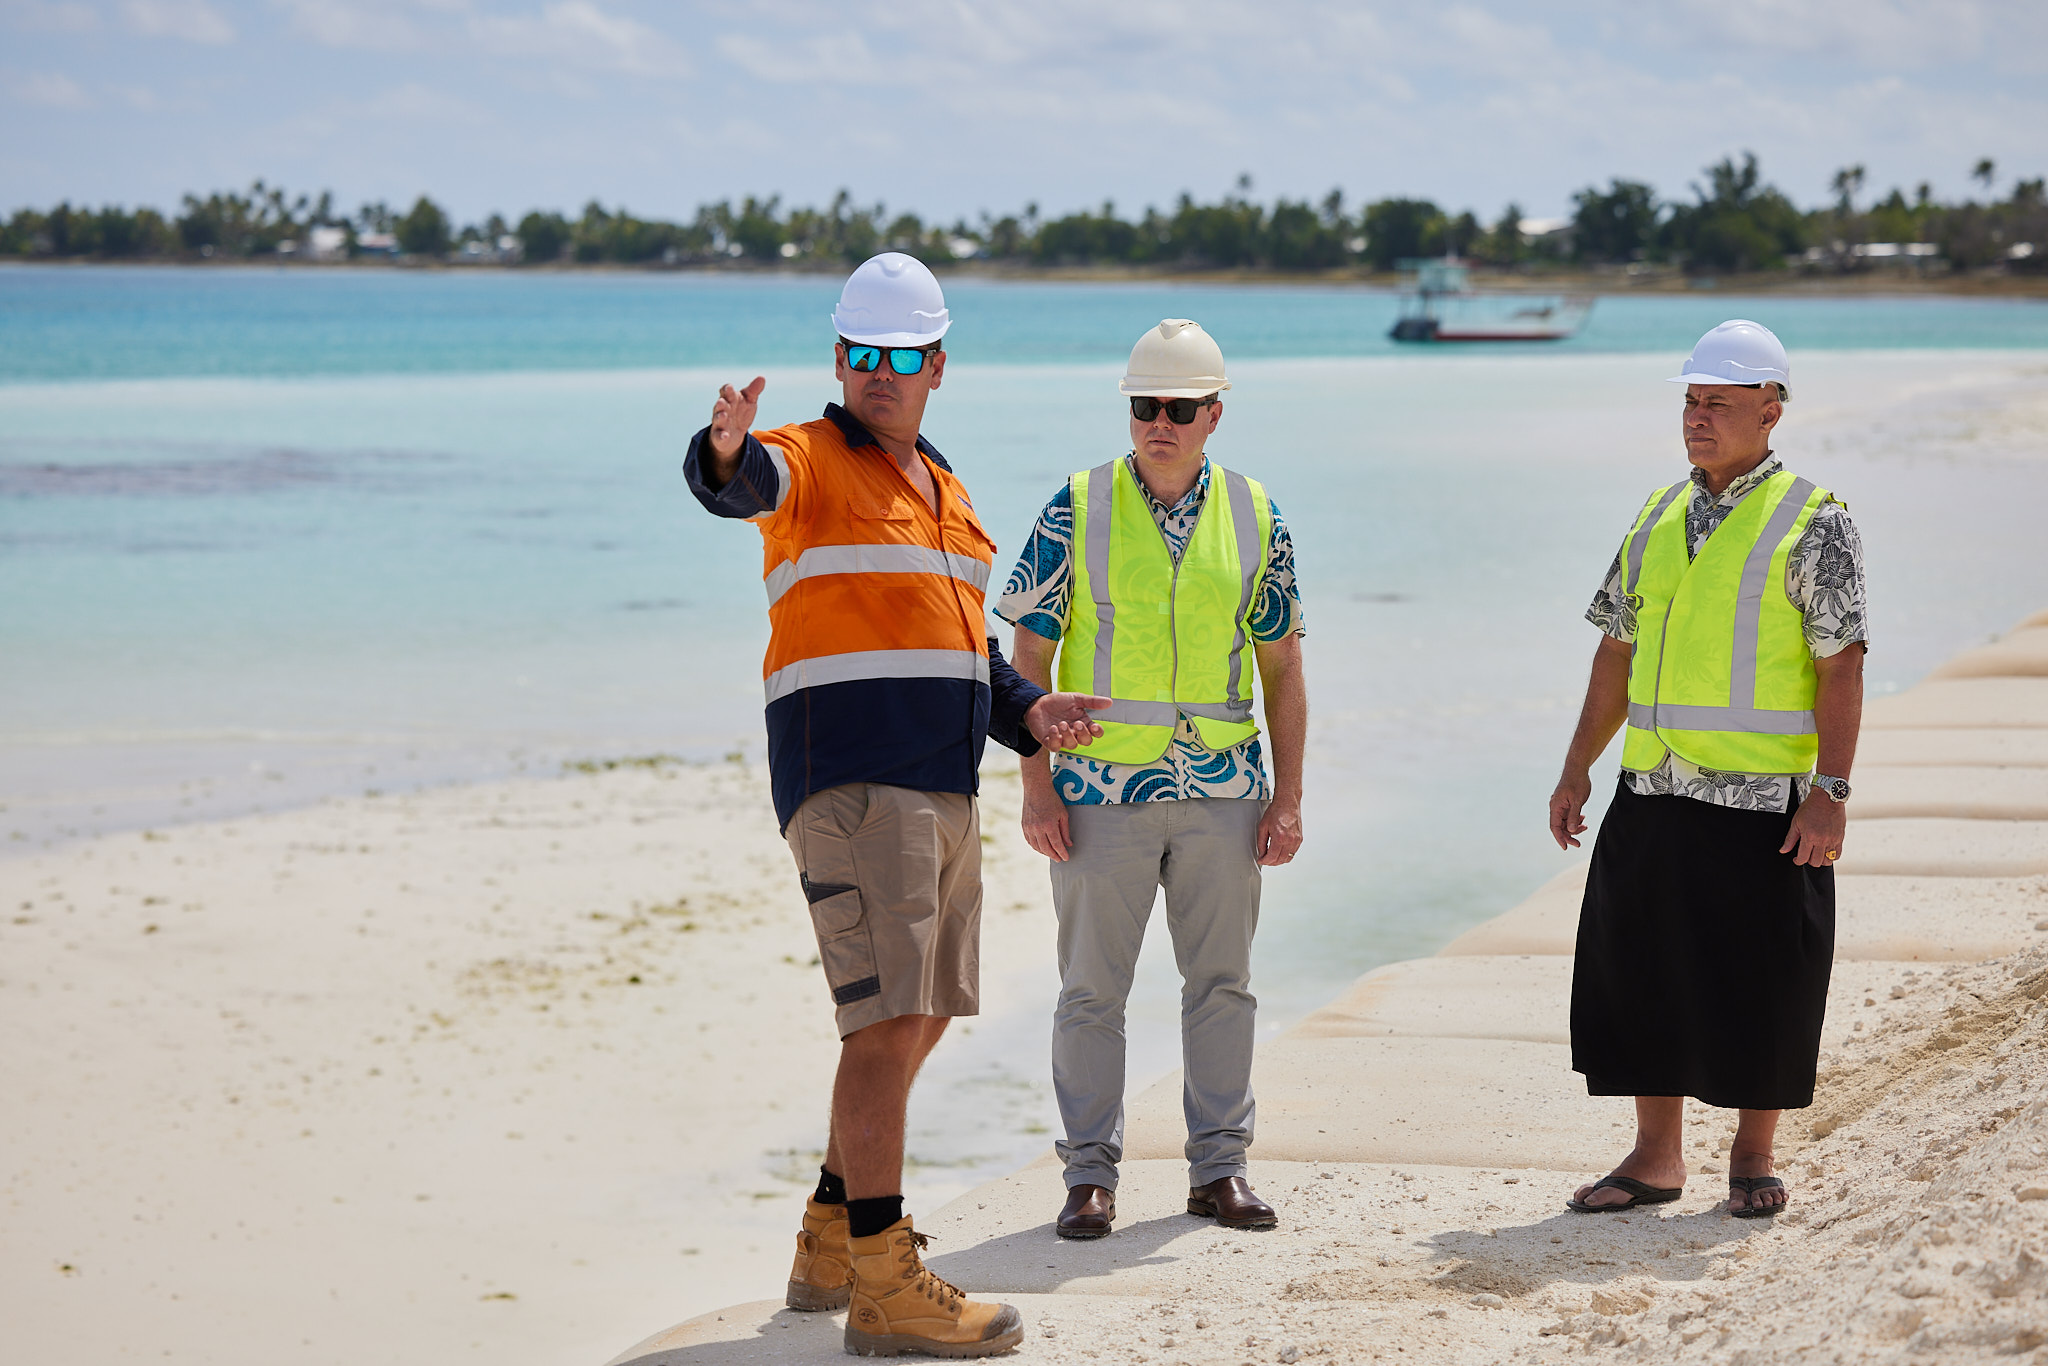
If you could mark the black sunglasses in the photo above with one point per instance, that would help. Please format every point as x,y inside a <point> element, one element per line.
<point>1180,411</point>
<point>904,360</point>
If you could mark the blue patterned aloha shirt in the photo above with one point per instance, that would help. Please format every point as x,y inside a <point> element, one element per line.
<point>1038,597</point>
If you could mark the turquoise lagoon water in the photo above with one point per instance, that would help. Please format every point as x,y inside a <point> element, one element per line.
<point>268,535</point>
<point>127,323</point>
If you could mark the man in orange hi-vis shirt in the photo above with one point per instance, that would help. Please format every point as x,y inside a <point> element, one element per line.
<point>882,685</point>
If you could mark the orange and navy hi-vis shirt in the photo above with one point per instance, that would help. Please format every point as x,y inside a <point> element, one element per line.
<point>879,666</point>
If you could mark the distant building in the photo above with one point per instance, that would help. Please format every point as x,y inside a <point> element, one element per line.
<point>1846,256</point>
<point>1547,236</point>
<point>377,244</point>
<point>1893,251</point>
<point>326,243</point>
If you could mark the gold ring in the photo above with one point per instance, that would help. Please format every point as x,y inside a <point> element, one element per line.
<point>1834,853</point>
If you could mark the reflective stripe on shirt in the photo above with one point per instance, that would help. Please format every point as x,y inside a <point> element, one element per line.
<point>820,670</point>
<point>821,560</point>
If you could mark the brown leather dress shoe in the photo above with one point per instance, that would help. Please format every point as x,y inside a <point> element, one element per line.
<point>1229,1200</point>
<point>1089,1212</point>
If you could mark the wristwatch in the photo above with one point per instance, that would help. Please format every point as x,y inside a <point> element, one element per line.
<point>1836,788</point>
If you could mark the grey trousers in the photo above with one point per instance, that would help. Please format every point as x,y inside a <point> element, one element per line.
<point>1202,853</point>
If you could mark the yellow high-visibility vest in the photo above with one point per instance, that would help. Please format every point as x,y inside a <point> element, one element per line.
<point>1720,674</point>
<point>1161,639</point>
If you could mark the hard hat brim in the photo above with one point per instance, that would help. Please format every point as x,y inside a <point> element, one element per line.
<point>1696,377</point>
<point>1143,386</point>
<point>895,338</point>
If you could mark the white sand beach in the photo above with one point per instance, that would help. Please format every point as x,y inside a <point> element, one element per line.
<point>523,1071</point>
<point>479,1070</point>
<point>1420,1134</point>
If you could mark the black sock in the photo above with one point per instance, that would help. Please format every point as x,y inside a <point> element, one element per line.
<point>831,1187</point>
<point>866,1218</point>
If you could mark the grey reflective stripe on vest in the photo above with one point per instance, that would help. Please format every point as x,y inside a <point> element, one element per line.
<point>1735,720</point>
<point>1131,712</point>
<point>860,664</point>
<point>1126,712</point>
<point>1219,711</point>
<point>821,560</point>
<point>1749,602</point>
<point>1640,542</point>
<point>1101,490</point>
<point>1244,522</point>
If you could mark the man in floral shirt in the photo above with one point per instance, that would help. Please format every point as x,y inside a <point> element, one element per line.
<point>1162,578</point>
<point>1733,653</point>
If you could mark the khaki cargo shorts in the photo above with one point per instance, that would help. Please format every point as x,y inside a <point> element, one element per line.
<point>893,877</point>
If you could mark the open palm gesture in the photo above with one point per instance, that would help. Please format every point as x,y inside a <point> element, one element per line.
<point>732,417</point>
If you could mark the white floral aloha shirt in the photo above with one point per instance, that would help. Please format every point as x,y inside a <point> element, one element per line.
<point>1823,579</point>
<point>1040,594</point>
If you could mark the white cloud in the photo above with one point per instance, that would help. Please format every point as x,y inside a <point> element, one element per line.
<point>414,103</point>
<point>50,90</point>
<point>340,23</point>
<point>51,16</point>
<point>194,21</point>
<point>1894,33</point>
<point>580,33</point>
<point>842,59</point>
<point>410,106</point>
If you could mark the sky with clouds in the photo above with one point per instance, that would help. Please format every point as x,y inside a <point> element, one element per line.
<point>951,108</point>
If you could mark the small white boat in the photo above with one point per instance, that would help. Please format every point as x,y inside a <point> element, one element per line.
<point>1445,308</point>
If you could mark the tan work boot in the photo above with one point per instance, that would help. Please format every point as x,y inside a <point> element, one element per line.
<point>823,1275</point>
<point>899,1307</point>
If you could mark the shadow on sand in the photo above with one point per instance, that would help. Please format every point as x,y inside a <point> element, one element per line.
<point>1033,1261</point>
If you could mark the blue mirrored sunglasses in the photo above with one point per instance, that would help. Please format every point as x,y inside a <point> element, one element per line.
<point>904,360</point>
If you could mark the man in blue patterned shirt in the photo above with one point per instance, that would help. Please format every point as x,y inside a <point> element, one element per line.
<point>1198,817</point>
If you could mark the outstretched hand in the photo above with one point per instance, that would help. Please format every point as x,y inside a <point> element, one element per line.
<point>1059,720</point>
<point>732,417</point>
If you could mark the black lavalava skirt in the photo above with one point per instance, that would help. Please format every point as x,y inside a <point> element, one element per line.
<point>1703,957</point>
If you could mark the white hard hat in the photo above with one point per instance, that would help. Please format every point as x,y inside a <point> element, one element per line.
<point>1176,359</point>
<point>892,300</point>
<point>1739,352</point>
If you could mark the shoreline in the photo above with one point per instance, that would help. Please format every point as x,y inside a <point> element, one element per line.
<point>1919,1221</point>
<point>1603,283</point>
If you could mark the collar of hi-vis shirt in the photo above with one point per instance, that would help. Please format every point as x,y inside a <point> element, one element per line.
<point>858,436</point>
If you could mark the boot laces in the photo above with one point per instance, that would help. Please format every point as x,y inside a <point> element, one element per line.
<point>934,1286</point>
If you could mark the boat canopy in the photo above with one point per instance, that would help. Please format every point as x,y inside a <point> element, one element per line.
<point>1442,277</point>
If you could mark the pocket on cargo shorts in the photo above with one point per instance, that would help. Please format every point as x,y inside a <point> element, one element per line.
<point>846,948</point>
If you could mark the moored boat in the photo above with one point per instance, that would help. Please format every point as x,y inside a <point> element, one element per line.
<point>1445,308</point>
